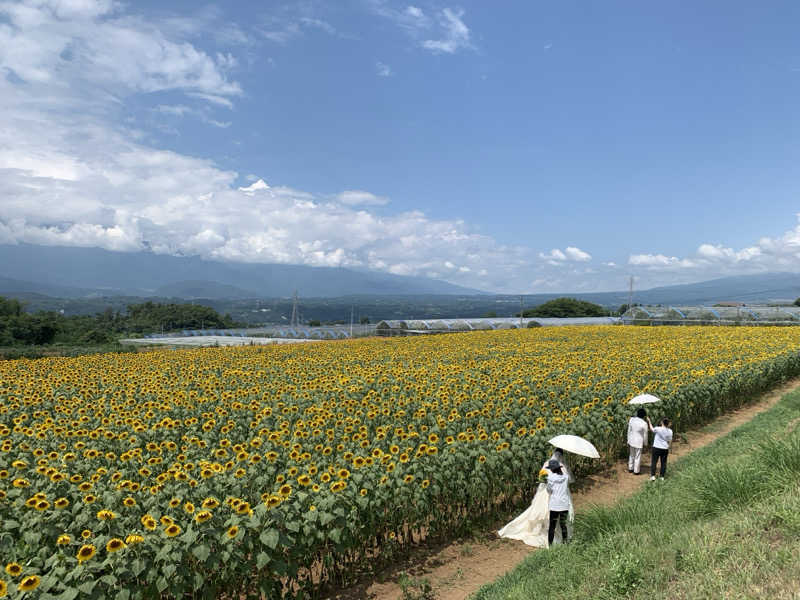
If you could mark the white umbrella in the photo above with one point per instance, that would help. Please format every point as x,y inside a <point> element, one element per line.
<point>576,445</point>
<point>644,399</point>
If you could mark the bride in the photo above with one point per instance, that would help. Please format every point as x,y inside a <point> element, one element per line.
<point>531,526</point>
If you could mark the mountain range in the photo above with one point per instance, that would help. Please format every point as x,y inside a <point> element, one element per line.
<point>71,272</point>
<point>30,271</point>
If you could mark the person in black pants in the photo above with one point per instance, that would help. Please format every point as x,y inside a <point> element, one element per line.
<point>661,441</point>
<point>558,486</point>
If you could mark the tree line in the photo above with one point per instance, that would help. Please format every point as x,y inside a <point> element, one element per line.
<point>18,327</point>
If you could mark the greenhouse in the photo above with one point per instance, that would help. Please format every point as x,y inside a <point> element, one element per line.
<point>428,326</point>
<point>712,315</point>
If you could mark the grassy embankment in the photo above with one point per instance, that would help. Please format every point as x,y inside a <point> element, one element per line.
<point>724,524</point>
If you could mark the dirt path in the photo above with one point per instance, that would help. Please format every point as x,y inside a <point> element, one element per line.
<point>460,568</point>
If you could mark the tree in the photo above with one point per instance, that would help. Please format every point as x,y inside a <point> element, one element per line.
<point>797,302</point>
<point>364,320</point>
<point>566,307</point>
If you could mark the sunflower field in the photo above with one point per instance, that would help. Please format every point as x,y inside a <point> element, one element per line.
<point>273,471</point>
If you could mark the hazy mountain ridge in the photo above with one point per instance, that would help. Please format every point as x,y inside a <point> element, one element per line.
<point>144,274</point>
<point>39,272</point>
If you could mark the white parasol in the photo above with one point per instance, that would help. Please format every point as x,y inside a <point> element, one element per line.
<point>644,399</point>
<point>576,445</point>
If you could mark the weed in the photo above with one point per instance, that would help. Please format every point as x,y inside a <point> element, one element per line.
<point>415,588</point>
<point>626,573</point>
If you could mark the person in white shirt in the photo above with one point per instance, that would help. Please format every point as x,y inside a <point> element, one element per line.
<point>558,486</point>
<point>637,439</point>
<point>662,438</point>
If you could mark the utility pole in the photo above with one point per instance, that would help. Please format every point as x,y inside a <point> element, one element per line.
<point>352,308</point>
<point>295,317</point>
<point>630,294</point>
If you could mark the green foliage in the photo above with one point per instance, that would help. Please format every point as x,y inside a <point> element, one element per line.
<point>625,574</point>
<point>566,307</point>
<point>19,328</point>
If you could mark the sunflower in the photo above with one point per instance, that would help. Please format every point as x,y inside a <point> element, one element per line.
<point>285,490</point>
<point>203,516</point>
<point>86,534</point>
<point>149,522</point>
<point>14,569</point>
<point>188,508</point>
<point>129,502</point>
<point>106,515</point>
<point>29,583</point>
<point>63,539</point>
<point>114,545</point>
<point>174,502</point>
<point>86,552</point>
<point>304,480</point>
<point>61,503</point>
<point>3,588</point>
<point>172,530</point>
<point>232,532</point>
<point>210,503</point>
<point>134,539</point>
<point>273,501</point>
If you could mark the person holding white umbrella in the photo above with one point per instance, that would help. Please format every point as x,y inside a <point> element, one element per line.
<point>532,526</point>
<point>637,439</point>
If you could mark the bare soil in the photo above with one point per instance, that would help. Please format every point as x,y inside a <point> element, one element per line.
<point>458,569</point>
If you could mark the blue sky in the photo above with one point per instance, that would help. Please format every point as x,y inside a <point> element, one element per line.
<point>505,146</point>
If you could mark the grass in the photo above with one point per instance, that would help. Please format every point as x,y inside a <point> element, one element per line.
<point>724,524</point>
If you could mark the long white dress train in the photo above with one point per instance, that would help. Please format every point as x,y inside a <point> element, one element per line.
<point>531,526</point>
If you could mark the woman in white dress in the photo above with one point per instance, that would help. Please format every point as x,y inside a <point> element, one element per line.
<point>532,525</point>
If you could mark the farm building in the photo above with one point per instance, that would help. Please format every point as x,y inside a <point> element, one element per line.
<point>427,326</point>
<point>713,315</point>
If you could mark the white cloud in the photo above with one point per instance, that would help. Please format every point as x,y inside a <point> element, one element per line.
<point>660,261</point>
<point>258,186</point>
<point>556,256</point>
<point>382,69</point>
<point>360,197</point>
<point>456,33</point>
<point>411,18</point>
<point>442,33</point>
<point>292,22</point>
<point>577,254</point>
<point>82,44</point>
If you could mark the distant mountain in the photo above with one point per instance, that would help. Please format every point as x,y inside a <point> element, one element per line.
<point>144,274</point>
<point>203,289</point>
<point>750,289</point>
<point>29,289</point>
